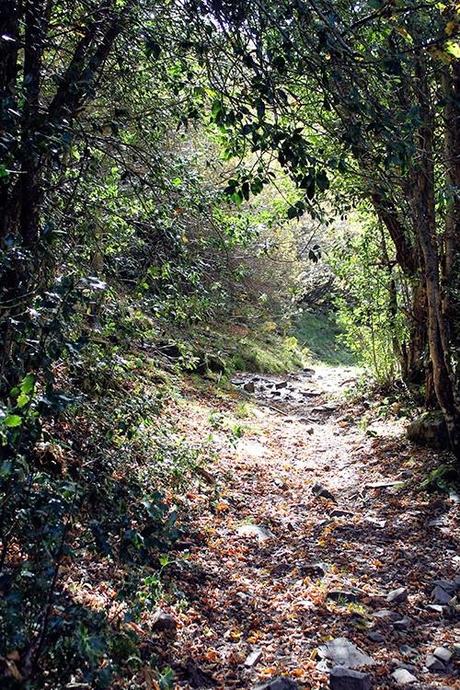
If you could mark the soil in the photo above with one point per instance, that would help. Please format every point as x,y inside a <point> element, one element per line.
<point>338,521</point>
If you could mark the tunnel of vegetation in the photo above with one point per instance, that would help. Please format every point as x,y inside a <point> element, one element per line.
<point>178,182</point>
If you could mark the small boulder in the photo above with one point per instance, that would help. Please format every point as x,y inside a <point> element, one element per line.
<point>441,595</point>
<point>403,623</point>
<point>434,664</point>
<point>402,676</point>
<point>443,654</point>
<point>262,533</point>
<point>253,658</point>
<point>342,652</point>
<point>429,430</point>
<point>278,683</point>
<point>386,614</point>
<point>249,387</point>
<point>450,586</point>
<point>375,636</point>
<point>397,596</point>
<point>342,678</point>
<point>437,608</point>
<point>320,491</point>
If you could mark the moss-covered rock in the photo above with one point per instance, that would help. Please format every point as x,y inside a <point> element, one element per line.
<point>429,430</point>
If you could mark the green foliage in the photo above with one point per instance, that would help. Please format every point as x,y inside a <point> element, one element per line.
<point>321,338</point>
<point>442,478</point>
<point>266,354</point>
<point>126,232</point>
<point>373,323</point>
<point>92,487</point>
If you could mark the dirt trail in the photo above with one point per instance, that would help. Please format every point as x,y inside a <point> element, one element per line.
<point>316,522</point>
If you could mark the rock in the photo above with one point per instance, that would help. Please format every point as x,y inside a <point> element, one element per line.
<point>385,484</point>
<point>341,595</point>
<point>443,654</point>
<point>437,608</point>
<point>330,407</point>
<point>198,678</point>
<point>441,596</point>
<point>249,387</point>
<point>342,652</point>
<point>397,596</point>
<point>253,658</point>
<point>278,683</point>
<point>262,533</point>
<point>456,650</point>
<point>434,664</point>
<point>403,623</point>
<point>163,622</point>
<point>450,586</point>
<point>345,679</point>
<point>454,496</point>
<point>310,394</point>
<point>429,430</point>
<point>321,492</point>
<point>280,385</point>
<point>403,677</point>
<point>341,512</point>
<point>375,636</point>
<point>384,614</point>
<point>312,569</point>
<point>375,522</point>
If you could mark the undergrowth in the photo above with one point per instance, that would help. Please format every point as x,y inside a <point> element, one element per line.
<point>320,336</point>
<point>90,512</point>
<point>95,498</point>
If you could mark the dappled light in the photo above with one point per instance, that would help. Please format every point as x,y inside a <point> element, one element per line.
<point>229,344</point>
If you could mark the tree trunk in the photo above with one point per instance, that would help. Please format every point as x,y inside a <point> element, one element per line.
<point>417,347</point>
<point>424,216</point>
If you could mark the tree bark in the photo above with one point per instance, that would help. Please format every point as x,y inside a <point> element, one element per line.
<point>424,215</point>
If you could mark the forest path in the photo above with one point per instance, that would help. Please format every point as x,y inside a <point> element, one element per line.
<point>317,521</point>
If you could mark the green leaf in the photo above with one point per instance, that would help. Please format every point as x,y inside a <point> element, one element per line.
<point>260,107</point>
<point>322,181</point>
<point>13,420</point>
<point>216,109</point>
<point>237,197</point>
<point>453,47</point>
<point>22,400</point>
<point>256,185</point>
<point>166,680</point>
<point>27,384</point>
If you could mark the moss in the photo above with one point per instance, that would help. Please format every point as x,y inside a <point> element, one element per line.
<point>441,478</point>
